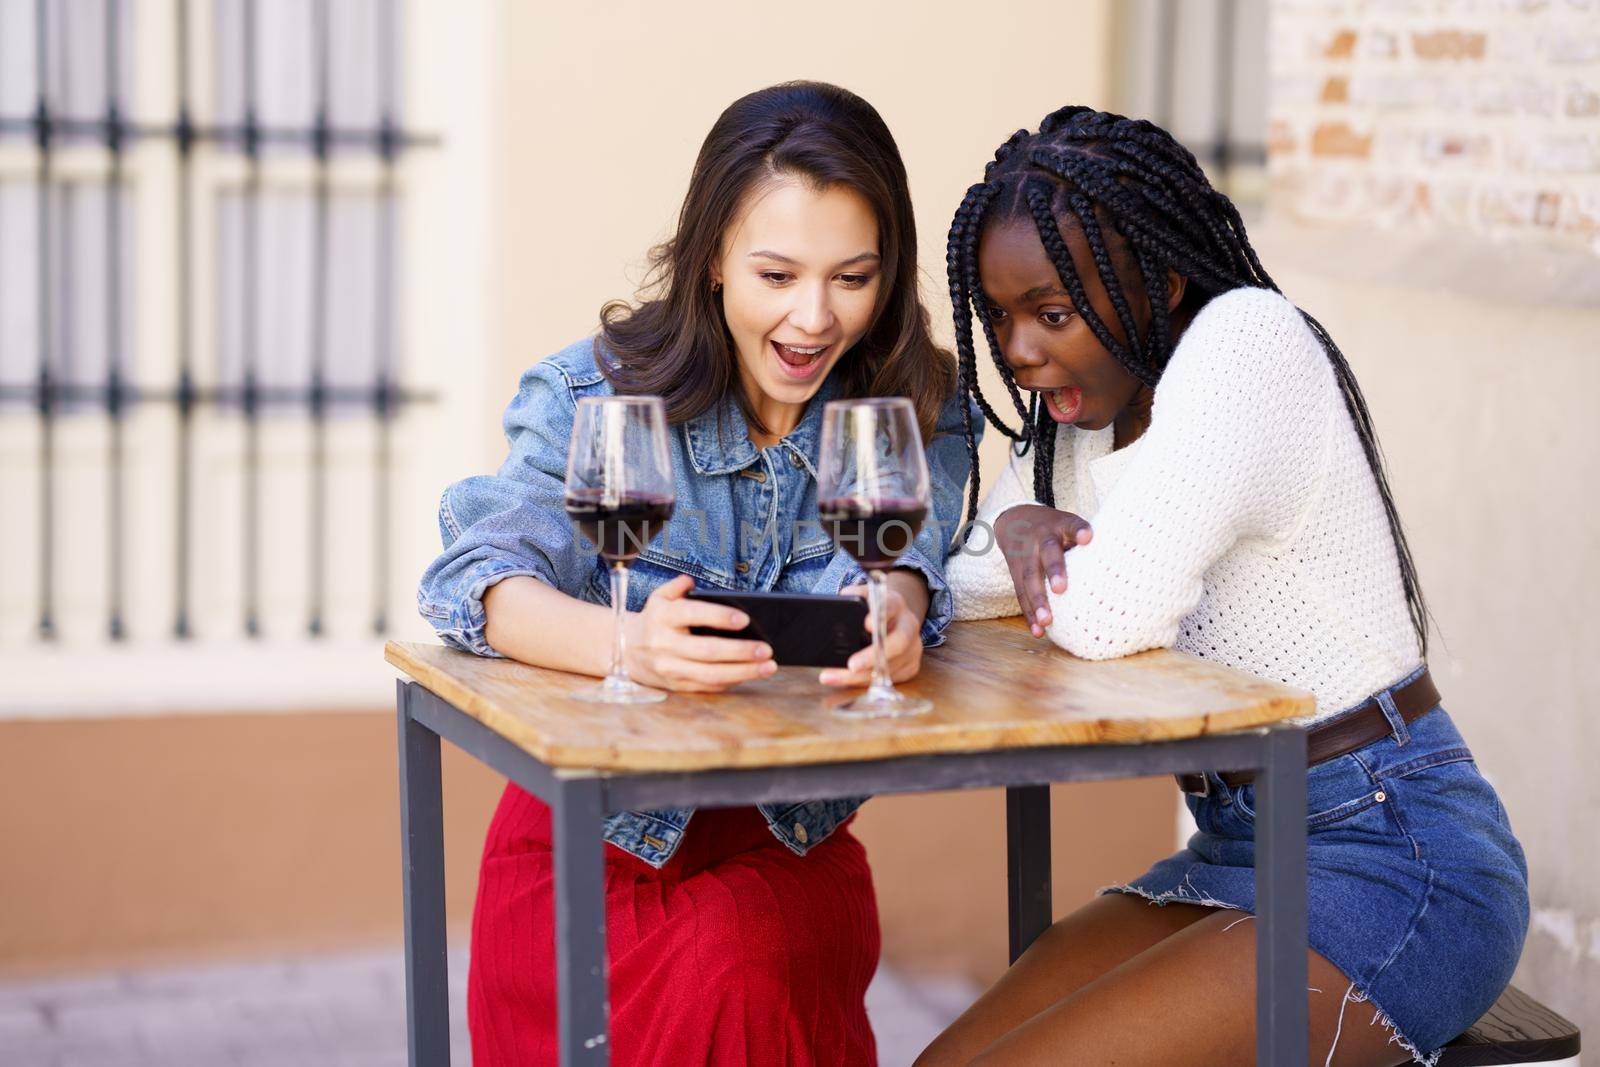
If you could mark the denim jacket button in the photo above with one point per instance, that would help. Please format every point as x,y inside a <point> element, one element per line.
<point>800,833</point>
<point>795,460</point>
<point>754,473</point>
<point>743,566</point>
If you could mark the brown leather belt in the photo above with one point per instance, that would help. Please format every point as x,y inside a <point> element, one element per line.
<point>1362,725</point>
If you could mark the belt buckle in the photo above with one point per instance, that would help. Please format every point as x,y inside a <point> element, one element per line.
<point>1205,785</point>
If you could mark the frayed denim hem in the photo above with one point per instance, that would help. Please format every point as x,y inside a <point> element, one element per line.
<point>1351,996</point>
<point>1357,996</point>
<point>1176,896</point>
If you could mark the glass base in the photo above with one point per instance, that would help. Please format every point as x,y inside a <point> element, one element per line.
<point>619,689</point>
<point>883,703</point>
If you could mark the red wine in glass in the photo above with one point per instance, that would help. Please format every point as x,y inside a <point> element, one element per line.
<point>876,532</point>
<point>873,493</point>
<point>622,526</point>
<point>619,493</point>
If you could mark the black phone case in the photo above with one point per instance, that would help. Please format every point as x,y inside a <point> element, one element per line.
<point>804,630</point>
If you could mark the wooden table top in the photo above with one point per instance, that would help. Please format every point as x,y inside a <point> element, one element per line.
<point>993,685</point>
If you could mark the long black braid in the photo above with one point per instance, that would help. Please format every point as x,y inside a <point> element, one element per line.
<point>1104,173</point>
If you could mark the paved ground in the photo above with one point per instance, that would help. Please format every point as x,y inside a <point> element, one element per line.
<point>325,1011</point>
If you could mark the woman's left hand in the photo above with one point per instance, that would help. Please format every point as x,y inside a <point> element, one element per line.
<point>902,642</point>
<point>1035,540</point>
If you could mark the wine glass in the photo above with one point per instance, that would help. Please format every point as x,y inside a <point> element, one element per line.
<point>619,493</point>
<point>872,494</point>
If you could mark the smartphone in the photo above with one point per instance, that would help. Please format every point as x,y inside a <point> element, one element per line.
<point>804,629</point>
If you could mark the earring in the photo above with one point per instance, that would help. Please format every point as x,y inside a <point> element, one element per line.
<point>716,287</point>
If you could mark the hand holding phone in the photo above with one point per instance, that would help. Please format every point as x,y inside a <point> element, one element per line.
<point>689,645</point>
<point>803,629</point>
<point>902,642</point>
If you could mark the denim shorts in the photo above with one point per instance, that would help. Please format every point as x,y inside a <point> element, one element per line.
<point>1417,889</point>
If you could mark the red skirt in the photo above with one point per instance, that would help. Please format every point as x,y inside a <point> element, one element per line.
<point>735,952</point>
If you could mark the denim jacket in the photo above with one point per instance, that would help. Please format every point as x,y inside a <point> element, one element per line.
<point>745,519</point>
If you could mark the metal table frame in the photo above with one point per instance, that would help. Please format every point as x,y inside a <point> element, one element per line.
<point>580,801</point>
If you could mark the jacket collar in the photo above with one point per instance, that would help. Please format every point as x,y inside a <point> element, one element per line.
<point>711,452</point>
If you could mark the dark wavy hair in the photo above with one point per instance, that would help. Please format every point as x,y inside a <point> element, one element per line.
<point>675,343</point>
<point>1144,206</point>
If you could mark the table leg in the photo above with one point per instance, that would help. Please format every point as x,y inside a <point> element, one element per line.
<point>1281,943</point>
<point>422,878</point>
<point>1028,864</point>
<point>583,1011</point>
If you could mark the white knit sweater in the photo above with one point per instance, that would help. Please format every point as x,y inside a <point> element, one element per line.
<point>1243,526</point>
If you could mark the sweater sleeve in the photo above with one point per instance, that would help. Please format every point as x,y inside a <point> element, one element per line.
<point>979,579</point>
<point>1234,451</point>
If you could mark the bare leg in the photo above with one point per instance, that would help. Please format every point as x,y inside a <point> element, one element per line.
<point>1079,948</point>
<point>1190,1000</point>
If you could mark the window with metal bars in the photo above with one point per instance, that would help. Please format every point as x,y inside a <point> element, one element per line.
<point>199,362</point>
<point>1199,69</point>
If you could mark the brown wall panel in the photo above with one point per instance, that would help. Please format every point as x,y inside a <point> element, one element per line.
<point>141,840</point>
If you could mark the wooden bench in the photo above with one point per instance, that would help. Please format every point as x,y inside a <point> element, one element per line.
<point>1518,1029</point>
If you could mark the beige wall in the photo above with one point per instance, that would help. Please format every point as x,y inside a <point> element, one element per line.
<point>1445,154</point>
<point>151,841</point>
<point>606,106</point>
<point>1486,412</point>
<point>213,835</point>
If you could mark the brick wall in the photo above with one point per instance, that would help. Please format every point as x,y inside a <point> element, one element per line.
<point>1436,116</point>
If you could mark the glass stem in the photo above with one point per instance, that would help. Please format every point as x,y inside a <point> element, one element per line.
<point>619,608</point>
<point>877,586</point>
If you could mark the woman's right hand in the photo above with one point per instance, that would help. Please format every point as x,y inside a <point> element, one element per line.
<point>661,652</point>
<point>1034,540</point>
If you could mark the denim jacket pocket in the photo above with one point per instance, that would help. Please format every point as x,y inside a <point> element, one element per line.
<point>669,565</point>
<point>821,548</point>
<point>651,570</point>
<point>807,565</point>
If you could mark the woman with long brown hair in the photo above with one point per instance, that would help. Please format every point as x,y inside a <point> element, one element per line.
<point>750,935</point>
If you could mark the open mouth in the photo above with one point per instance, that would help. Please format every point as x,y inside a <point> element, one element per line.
<point>799,361</point>
<point>1064,404</point>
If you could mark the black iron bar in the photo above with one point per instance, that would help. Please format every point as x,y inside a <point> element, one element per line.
<point>383,312</point>
<point>94,130</point>
<point>116,624</point>
<point>1166,61</point>
<point>68,195</point>
<point>45,398</point>
<point>250,211</point>
<point>383,406</point>
<point>1224,85</point>
<point>285,397</point>
<point>321,32</point>
<point>3,239</point>
<point>267,396</point>
<point>182,627</point>
<point>1239,153</point>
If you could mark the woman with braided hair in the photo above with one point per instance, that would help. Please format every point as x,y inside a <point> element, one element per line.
<point>735,935</point>
<point>1194,467</point>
